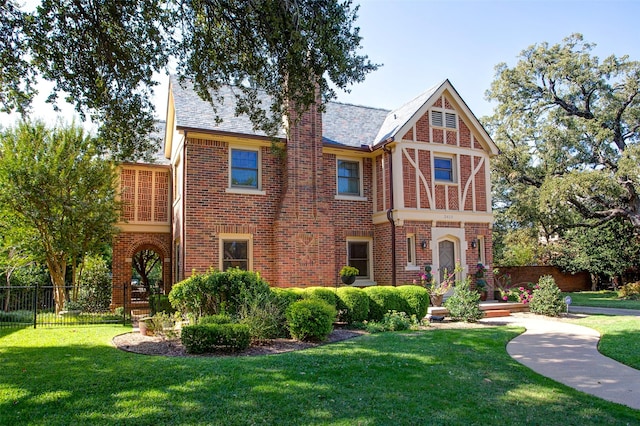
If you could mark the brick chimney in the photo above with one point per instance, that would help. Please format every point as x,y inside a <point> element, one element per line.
<point>303,231</point>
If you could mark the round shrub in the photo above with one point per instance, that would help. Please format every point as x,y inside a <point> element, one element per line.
<point>353,304</point>
<point>286,296</point>
<point>323,293</point>
<point>383,299</point>
<point>464,303</point>
<point>310,319</point>
<point>416,299</point>
<point>630,291</point>
<point>547,298</point>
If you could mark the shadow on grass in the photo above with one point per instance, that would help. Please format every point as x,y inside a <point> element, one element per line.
<point>441,376</point>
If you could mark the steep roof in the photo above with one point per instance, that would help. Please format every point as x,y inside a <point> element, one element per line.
<point>342,124</point>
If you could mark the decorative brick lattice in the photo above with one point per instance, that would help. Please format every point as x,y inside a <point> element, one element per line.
<point>127,193</point>
<point>145,192</point>
<point>161,197</point>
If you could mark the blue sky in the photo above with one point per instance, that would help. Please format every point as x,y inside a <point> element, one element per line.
<point>422,42</point>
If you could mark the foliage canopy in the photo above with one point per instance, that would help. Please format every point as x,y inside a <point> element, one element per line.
<point>102,57</point>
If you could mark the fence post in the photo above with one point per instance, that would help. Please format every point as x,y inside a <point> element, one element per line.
<point>124,304</point>
<point>35,306</point>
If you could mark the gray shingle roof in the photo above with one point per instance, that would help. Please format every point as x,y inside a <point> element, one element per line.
<point>343,124</point>
<point>401,116</point>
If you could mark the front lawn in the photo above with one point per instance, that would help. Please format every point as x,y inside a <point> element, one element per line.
<point>620,337</point>
<point>601,299</point>
<point>73,375</point>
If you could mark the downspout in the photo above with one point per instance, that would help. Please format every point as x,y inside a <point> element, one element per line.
<point>390,217</point>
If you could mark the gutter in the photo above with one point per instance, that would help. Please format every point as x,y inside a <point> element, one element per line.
<point>183,248</point>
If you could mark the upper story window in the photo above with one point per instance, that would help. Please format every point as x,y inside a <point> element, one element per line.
<point>244,168</point>
<point>443,169</point>
<point>349,180</point>
<point>444,119</point>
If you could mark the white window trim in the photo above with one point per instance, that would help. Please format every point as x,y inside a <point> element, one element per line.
<point>359,197</point>
<point>454,168</point>
<point>412,265</point>
<point>249,191</point>
<point>481,249</point>
<point>362,281</point>
<point>236,237</point>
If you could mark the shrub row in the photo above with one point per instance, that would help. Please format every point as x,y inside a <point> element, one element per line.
<point>205,338</point>
<point>357,305</point>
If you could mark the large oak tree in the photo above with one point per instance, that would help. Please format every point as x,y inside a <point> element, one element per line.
<point>567,125</point>
<point>102,55</point>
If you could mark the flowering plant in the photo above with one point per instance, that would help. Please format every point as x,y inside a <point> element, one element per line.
<point>428,281</point>
<point>502,283</point>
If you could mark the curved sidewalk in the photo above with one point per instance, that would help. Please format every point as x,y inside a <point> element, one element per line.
<point>568,353</point>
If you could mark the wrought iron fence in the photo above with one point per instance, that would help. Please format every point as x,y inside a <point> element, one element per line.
<point>35,306</point>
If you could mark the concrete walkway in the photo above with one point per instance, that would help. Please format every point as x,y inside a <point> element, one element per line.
<point>568,353</point>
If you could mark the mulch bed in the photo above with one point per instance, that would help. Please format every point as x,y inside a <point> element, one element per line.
<point>155,345</point>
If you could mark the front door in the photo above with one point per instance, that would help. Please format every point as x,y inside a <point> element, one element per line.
<point>446,256</point>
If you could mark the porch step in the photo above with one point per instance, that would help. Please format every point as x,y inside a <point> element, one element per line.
<point>497,313</point>
<point>487,308</point>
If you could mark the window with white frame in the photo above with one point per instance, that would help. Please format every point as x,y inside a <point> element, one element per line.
<point>443,169</point>
<point>235,252</point>
<point>349,177</point>
<point>480,247</point>
<point>359,256</point>
<point>448,120</point>
<point>244,168</point>
<point>411,250</point>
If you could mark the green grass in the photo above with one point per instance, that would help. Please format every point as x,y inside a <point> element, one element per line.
<point>620,337</point>
<point>61,376</point>
<point>601,299</point>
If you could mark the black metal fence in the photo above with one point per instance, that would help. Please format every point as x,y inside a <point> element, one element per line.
<point>35,306</point>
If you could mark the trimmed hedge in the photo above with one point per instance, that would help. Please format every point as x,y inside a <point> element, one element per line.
<point>322,293</point>
<point>198,339</point>
<point>383,299</point>
<point>416,299</point>
<point>215,319</point>
<point>310,319</point>
<point>353,304</point>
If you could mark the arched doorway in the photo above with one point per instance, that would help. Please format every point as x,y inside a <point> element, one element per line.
<point>446,258</point>
<point>146,274</point>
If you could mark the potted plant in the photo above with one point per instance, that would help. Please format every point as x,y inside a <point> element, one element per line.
<point>481,282</point>
<point>348,274</point>
<point>437,290</point>
<point>146,326</point>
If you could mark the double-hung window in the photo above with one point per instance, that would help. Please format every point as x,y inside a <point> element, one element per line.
<point>235,254</point>
<point>443,169</point>
<point>359,256</point>
<point>245,169</point>
<point>349,181</point>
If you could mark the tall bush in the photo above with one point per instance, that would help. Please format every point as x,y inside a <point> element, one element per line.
<point>353,304</point>
<point>416,299</point>
<point>94,292</point>
<point>464,303</point>
<point>383,299</point>
<point>547,298</point>
<point>217,292</point>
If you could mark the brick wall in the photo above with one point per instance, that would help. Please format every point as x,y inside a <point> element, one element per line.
<point>580,281</point>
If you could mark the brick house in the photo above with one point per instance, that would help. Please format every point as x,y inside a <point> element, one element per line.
<point>385,191</point>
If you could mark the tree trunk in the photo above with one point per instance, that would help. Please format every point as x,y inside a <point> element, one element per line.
<point>57,270</point>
